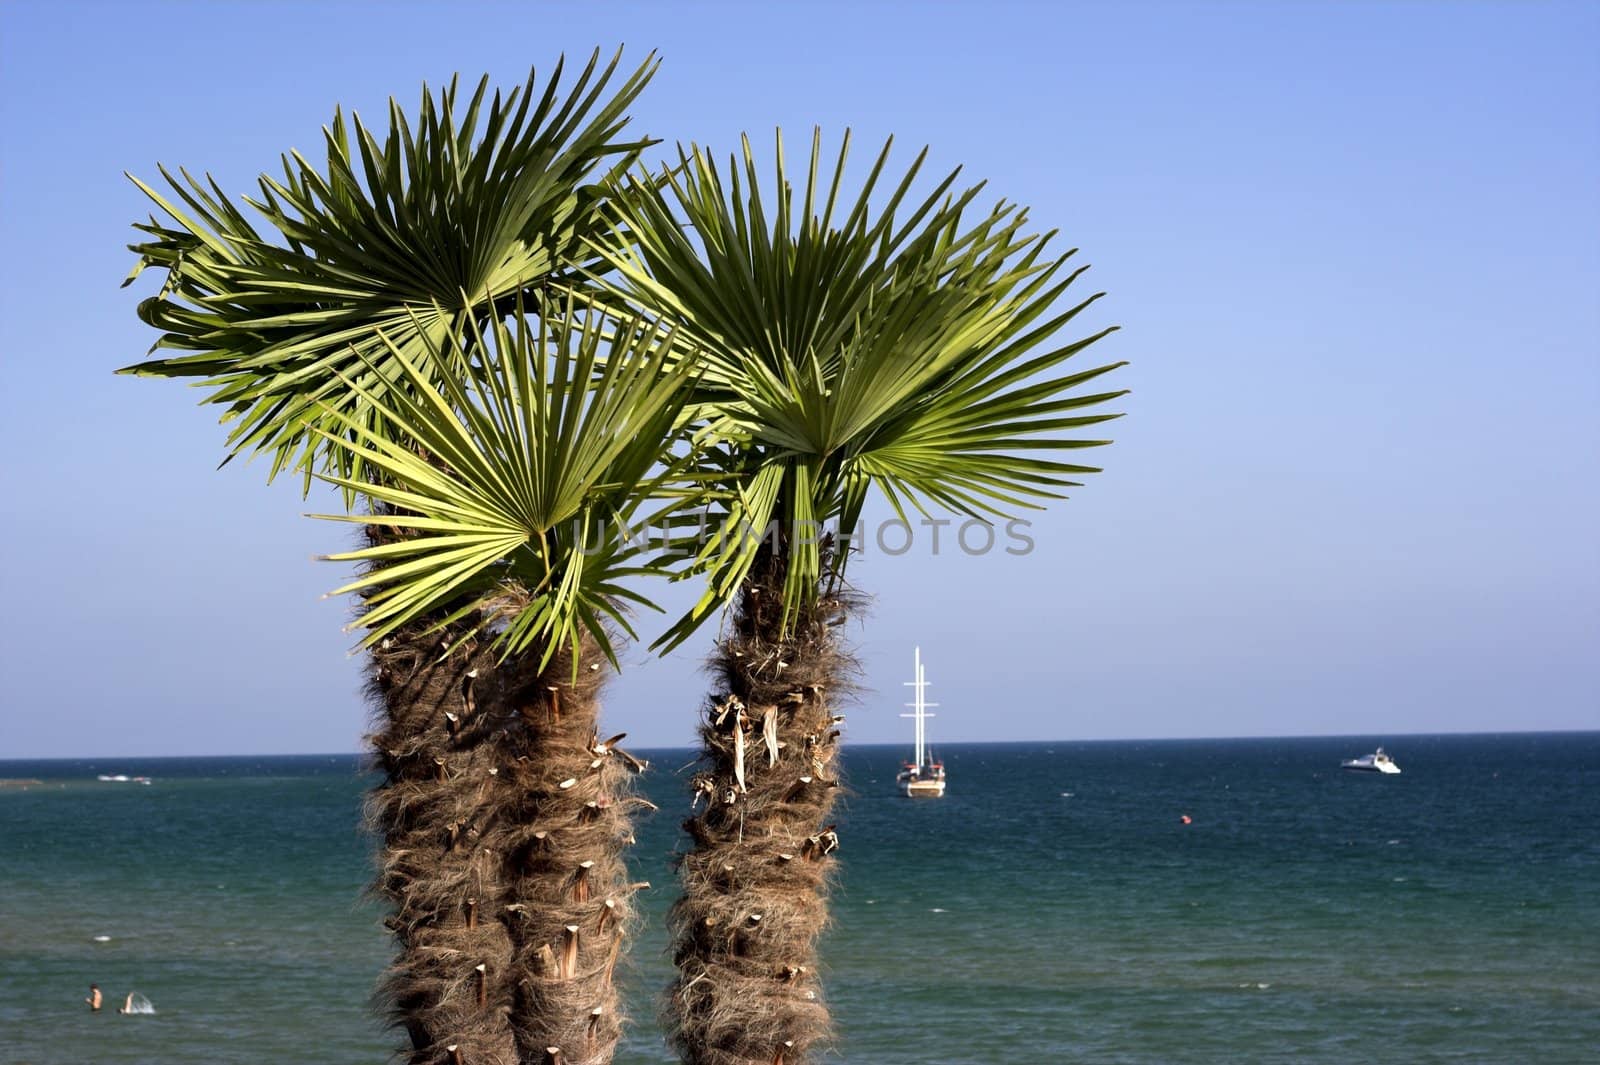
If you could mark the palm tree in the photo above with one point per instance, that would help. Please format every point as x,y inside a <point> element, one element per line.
<point>505,814</point>
<point>844,349</point>
<point>405,326</point>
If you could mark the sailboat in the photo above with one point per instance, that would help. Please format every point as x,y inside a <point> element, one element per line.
<point>923,777</point>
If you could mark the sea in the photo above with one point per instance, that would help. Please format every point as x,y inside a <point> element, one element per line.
<point>1106,902</point>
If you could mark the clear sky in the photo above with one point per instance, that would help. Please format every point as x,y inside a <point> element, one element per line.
<point>1355,249</point>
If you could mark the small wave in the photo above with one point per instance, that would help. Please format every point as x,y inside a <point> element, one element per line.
<point>102,939</point>
<point>938,909</point>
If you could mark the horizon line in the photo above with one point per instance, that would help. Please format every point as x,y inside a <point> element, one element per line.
<point>892,743</point>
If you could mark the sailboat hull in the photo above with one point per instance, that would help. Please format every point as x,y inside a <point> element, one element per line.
<point>922,789</point>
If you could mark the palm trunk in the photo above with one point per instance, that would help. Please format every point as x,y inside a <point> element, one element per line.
<point>756,879</point>
<point>503,817</point>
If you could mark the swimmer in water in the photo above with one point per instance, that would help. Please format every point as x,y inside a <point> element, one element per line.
<point>127,1005</point>
<point>94,998</point>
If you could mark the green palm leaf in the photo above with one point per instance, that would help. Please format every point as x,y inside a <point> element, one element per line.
<point>504,491</point>
<point>397,243</point>
<point>855,343</point>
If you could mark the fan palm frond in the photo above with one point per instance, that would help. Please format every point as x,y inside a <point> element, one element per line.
<point>856,343</point>
<point>513,495</point>
<point>399,241</point>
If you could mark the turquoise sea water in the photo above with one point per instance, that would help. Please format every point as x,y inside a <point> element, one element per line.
<point>1052,908</point>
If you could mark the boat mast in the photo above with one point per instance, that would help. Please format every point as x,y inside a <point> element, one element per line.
<point>921,708</point>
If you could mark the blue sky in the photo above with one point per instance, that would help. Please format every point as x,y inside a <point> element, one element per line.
<point>1355,249</point>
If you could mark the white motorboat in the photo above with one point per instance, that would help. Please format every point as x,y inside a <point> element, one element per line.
<point>923,777</point>
<point>1376,762</point>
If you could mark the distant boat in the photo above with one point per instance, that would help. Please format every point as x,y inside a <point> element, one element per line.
<point>921,778</point>
<point>122,778</point>
<point>1376,762</point>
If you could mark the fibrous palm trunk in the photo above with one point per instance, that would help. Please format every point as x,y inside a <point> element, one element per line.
<point>756,880</point>
<point>503,818</point>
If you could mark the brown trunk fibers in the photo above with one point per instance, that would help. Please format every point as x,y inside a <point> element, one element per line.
<point>756,879</point>
<point>503,818</point>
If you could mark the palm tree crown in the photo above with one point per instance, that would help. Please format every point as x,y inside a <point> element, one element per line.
<point>511,495</point>
<point>846,348</point>
<point>387,252</point>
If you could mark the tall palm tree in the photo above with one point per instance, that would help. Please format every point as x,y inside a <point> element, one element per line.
<point>505,814</point>
<point>383,290</point>
<point>845,348</point>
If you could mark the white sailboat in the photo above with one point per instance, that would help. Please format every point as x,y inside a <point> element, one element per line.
<point>923,777</point>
